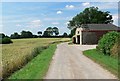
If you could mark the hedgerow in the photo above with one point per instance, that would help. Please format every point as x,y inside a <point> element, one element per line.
<point>5,40</point>
<point>107,42</point>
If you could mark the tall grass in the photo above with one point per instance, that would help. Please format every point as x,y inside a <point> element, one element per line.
<point>15,55</point>
<point>37,68</point>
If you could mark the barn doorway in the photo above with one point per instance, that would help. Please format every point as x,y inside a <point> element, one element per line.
<point>78,39</point>
<point>74,40</point>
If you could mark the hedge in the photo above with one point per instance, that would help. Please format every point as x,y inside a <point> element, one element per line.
<point>5,40</point>
<point>107,42</point>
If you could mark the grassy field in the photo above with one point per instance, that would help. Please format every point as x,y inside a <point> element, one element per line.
<point>37,68</point>
<point>107,62</point>
<point>15,55</point>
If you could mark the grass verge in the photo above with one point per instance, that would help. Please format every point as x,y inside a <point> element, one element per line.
<point>38,67</point>
<point>107,62</point>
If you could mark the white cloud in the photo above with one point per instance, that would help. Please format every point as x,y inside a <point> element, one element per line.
<point>55,23</point>
<point>70,6</point>
<point>18,25</point>
<point>59,12</point>
<point>115,19</point>
<point>86,4</point>
<point>34,23</point>
<point>67,23</point>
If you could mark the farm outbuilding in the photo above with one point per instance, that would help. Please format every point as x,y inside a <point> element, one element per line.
<point>91,33</point>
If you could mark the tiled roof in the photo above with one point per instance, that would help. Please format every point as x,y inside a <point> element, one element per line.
<point>100,27</point>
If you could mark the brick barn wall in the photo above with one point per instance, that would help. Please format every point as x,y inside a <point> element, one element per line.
<point>92,37</point>
<point>99,34</point>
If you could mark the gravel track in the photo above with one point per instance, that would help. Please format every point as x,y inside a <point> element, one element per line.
<point>69,63</point>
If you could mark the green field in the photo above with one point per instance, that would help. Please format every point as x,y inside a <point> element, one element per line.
<point>15,55</point>
<point>107,62</point>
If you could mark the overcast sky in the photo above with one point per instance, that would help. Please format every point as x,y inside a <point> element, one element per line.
<point>37,16</point>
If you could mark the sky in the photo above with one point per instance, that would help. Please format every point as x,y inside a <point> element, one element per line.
<point>37,16</point>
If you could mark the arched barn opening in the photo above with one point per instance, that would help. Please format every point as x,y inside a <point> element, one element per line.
<point>74,40</point>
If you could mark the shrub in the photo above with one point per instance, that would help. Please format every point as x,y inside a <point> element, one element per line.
<point>107,42</point>
<point>115,49</point>
<point>5,40</point>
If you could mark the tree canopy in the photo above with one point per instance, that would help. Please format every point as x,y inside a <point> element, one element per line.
<point>56,30</point>
<point>26,34</point>
<point>15,36</point>
<point>89,16</point>
<point>2,35</point>
<point>39,32</point>
<point>49,31</point>
<point>65,34</point>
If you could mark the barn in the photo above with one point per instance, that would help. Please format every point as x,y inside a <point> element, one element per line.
<point>91,33</point>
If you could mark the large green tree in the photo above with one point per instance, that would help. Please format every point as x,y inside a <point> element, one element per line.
<point>89,16</point>
<point>49,31</point>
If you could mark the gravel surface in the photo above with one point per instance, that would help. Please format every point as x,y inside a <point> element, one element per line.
<point>69,63</point>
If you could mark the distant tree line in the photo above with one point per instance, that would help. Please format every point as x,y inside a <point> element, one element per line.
<point>49,32</point>
<point>24,34</point>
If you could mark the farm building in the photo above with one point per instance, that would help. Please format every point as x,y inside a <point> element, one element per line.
<point>91,33</point>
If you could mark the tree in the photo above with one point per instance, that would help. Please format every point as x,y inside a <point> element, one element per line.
<point>72,32</point>
<point>39,33</point>
<point>15,36</point>
<point>65,34</point>
<point>90,15</point>
<point>46,33</point>
<point>26,34</point>
<point>55,30</point>
<point>49,31</point>
<point>2,35</point>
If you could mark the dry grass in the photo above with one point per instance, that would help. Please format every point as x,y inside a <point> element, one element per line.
<point>14,55</point>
